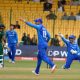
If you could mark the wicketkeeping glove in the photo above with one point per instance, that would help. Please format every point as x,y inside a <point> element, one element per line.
<point>73,51</point>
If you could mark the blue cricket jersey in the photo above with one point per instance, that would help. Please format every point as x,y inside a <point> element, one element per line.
<point>12,37</point>
<point>43,35</point>
<point>70,46</point>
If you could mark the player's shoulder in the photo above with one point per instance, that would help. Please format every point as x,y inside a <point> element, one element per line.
<point>39,26</point>
<point>42,27</point>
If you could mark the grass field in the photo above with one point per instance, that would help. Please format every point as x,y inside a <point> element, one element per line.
<point>22,70</point>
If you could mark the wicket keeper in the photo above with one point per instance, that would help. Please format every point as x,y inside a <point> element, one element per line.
<point>72,50</point>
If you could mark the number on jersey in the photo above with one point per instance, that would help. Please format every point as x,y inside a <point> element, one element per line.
<point>44,34</point>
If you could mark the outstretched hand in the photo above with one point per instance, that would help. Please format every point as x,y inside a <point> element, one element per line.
<point>60,35</point>
<point>23,20</point>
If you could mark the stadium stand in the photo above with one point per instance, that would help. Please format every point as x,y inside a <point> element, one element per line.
<point>11,11</point>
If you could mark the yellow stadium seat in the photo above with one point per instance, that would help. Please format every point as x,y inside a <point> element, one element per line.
<point>40,5</point>
<point>6,1</point>
<point>78,8</point>
<point>1,1</point>
<point>33,7</point>
<point>35,10</point>
<point>55,1</point>
<point>59,14</point>
<point>14,8</point>
<point>67,8</point>
<point>21,5</point>
<point>8,8</point>
<point>27,6</point>
<point>37,3</point>
<point>73,8</point>
<point>40,9</point>
<point>2,5</point>
<point>31,2</point>
<point>27,9</point>
<point>12,1</point>
<point>54,7</point>
<point>7,5</point>
<point>71,26</point>
<point>2,8</point>
<point>68,2</point>
<point>14,5</point>
<point>77,31</point>
<point>64,26</point>
<point>57,26</point>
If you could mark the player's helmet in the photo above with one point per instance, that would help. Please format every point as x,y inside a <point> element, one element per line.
<point>2,26</point>
<point>38,20</point>
<point>71,37</point>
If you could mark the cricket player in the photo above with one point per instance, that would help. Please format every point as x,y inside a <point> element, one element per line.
<point>43,39</point>
<point>1,44</point>
<point>12,40</point>
<point>72,50</point>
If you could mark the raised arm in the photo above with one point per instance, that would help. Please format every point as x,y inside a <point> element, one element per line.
<point>30,24</point>
<point>64,40</point>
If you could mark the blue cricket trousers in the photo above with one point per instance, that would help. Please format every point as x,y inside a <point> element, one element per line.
<point>42,56</point>
<point>70,59</point>
<point>12,51</point>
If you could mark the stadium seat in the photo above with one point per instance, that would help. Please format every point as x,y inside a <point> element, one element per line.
<point>54,7</point>
<point>78,8</point>
<point>6,1</point>
<point>67,8</point>
<point>35,10</point>
<point>33,7</point>
<point>74,9</point>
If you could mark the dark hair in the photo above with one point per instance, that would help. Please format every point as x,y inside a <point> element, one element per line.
<point>2,26</point>
<point>12,25</point>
